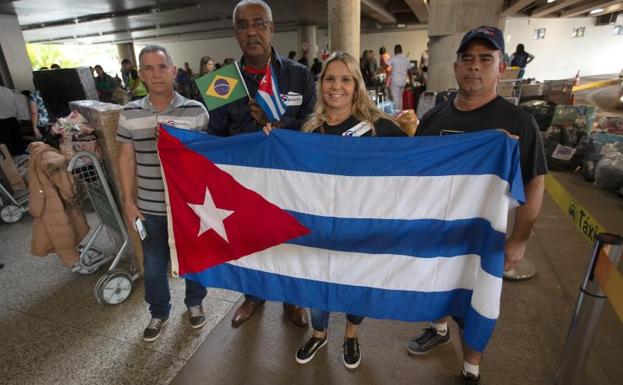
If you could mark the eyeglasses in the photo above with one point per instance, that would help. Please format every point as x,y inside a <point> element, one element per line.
<point>257,25</point>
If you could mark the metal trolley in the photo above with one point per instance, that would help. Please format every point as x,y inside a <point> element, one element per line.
<point>12,207</point>
<point>116,285</point>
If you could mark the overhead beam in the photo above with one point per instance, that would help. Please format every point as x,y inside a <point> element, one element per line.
<point>548,9</point>
<point>516,7</point>
<point>377,12</point>
<point>611,8</point>
<point>141,11</point>
<point>585,8</point>
<point>419,8</point>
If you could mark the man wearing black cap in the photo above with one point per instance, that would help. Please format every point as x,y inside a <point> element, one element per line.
<point>476,107</point>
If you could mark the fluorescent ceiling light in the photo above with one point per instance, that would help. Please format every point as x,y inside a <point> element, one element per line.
<point>550,1</point>
<point>596,10</point>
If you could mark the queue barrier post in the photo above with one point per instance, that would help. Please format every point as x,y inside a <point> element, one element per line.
<point>587,313</point>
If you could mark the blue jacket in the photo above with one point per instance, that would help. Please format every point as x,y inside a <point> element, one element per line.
<point>296,85</point>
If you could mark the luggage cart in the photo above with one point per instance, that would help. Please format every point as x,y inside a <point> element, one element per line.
<point>116,285</point>
<point>12,207</point>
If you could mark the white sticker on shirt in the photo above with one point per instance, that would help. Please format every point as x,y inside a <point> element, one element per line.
<point>177,123</point>
<point>292,99</point>
<point>358,129</point>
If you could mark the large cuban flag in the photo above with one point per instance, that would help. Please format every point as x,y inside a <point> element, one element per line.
<point>411,229</point>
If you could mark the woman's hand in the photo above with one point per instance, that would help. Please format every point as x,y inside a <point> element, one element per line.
<point>268,128</point>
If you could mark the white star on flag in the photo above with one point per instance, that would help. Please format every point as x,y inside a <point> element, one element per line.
<point>211,217</point>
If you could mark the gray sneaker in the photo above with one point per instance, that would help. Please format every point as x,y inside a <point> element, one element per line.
<point>427,341</point>
<point>196,316</point>
<point>152,331</point>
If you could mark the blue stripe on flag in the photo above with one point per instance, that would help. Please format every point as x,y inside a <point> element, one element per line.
<point>268,105</point>
<point>417,238</point>
<point>375,303</point>
<point>484,152</point>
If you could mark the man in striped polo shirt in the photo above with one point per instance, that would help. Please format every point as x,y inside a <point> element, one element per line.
<point>141,181</point>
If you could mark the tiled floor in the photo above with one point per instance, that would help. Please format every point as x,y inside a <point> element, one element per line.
<point>52,330</point>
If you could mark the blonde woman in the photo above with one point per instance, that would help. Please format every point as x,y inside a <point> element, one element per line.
<point>343,108</point>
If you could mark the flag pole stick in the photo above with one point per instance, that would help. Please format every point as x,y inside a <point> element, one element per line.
<point>242,79</point>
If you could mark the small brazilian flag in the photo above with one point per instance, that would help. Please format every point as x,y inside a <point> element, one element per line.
<point>222,86</point>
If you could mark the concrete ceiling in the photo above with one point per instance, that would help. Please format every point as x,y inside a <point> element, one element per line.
<point>118,21</point>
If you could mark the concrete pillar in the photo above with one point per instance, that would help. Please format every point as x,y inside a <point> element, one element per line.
<point>308,41</point>
<point>126,51</point>
<point>448,21</point>
<point>17,73</point>
<point>344,26</point>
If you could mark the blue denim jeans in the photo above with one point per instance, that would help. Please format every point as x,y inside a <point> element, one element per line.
<point>320,319</point>
<point>156,259</point>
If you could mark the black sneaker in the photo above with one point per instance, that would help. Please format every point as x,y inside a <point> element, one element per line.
<point>352,355</point>
<point>196,316</point>
<point>427,341</point>
<point>307,352</point>
<point>152,331</point>
<point>466,379</point>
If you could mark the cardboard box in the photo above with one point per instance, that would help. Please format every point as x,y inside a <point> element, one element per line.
<point>104,117</point>
<point>9,172</point>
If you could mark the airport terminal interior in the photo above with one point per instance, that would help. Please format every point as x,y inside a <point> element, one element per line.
<point>68,67</point>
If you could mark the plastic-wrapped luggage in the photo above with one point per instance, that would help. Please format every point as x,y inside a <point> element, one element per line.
<point>609,170</point>
<point>542,111</point>
<point>589,149</point>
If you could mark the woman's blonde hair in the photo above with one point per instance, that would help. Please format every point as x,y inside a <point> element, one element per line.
<point>363,108</point>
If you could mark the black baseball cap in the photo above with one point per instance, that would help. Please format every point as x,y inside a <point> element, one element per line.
<point>490,34</point>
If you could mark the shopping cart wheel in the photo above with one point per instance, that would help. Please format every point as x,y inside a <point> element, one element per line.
<point>11,213</point>
<point>114,287</point>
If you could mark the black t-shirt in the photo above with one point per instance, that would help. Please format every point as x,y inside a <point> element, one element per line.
<point>383,127</point>
<point>445,118</point>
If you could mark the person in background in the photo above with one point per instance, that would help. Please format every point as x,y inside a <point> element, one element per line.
<point>292,55</point>
<point>142,186</point>
<point>304,60</point>
<point>400,75</point>
<point>520,58</point>
<point>104,84</point>
<point>126,67</point>
<point>183,83</point>
<point>228,61</point>
<point>55,66</point>
<point>424,65</point>
<point>136,87</point>
<point>316,68</point>
<point>9,125</point>
<point>187,69</point>
<point>206,65</point>
<point>23,116</point>
<point>39,115</point>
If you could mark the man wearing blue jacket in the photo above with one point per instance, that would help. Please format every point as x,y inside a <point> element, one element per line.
<point>253,29</point>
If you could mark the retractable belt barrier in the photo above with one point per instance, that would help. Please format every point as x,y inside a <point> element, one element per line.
<point>602,280</point>
<point>598,84</point>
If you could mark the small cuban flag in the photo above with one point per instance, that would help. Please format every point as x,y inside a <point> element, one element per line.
<point>268,96</point>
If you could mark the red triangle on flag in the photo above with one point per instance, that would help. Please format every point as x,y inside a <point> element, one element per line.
<point>251,223</point>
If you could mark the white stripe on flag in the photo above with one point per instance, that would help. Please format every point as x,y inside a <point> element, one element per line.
<point>396,197</point>
<point>361,269</point>
<point>269,103</point>
<point>277,96</point>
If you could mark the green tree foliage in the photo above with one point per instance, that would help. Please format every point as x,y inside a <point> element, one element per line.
<point>44,55</point>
